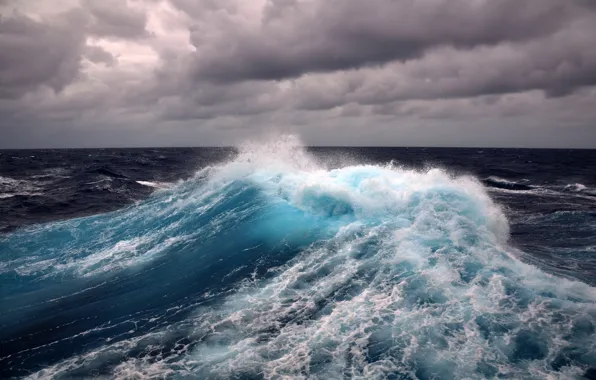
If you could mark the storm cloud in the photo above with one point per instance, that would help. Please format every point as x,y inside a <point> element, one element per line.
<point>335,71</point>
<point>36,53</point>
<point>295,37</point>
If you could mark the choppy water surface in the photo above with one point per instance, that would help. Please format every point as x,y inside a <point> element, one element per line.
<point>275,261</point>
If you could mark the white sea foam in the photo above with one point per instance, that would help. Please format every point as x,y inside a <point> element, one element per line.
<point>576,187</point>
<point>156,185</point>
<point>417,280</point>
<point>10,187</point>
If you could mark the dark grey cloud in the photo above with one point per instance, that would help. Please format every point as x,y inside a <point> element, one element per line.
<point>113,18</point>
<point>197,9</point>
<point>97,54</point>
<point>558,65</point>
<point>47,51</point>
<point>295,37</point>
<point>210,100</point>
<point>35,53</point>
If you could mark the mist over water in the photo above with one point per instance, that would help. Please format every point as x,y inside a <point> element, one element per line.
<point>274,264</point>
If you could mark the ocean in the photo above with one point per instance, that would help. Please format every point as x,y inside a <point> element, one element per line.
<point>276,261</point>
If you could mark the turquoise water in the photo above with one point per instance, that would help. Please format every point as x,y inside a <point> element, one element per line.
<point>271,265</point>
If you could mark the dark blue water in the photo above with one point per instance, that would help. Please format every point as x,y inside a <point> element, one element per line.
<point>274,260</point>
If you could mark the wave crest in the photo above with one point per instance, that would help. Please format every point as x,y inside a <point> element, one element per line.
<point>302,271</point>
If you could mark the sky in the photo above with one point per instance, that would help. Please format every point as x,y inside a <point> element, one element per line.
<point>128,73</point>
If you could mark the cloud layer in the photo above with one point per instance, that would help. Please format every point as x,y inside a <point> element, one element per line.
<point>381,72</point>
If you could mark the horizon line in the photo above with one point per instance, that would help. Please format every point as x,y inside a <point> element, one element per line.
<point>305,146</point>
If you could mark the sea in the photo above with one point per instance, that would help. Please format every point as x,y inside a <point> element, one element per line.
<point>272,260</point>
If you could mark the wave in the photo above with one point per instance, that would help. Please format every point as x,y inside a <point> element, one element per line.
<point>580,190</point>
<point>575,187</point>
<point>155,185</point>
<point>106,171</point>
<point>500,183</point>
<point>272,265</point>
<point>10,187</point>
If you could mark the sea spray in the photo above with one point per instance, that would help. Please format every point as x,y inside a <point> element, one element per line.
<point>272,265</point>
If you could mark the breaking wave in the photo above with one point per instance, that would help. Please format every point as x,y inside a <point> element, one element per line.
<point>272,265</point>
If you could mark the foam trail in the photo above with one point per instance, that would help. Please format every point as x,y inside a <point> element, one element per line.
<point>364,271</point>
<point>156,185</point>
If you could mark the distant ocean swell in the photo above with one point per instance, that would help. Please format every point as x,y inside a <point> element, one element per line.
<point>272,266</point>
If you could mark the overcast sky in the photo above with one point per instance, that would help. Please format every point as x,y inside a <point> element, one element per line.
<point>89,73</point>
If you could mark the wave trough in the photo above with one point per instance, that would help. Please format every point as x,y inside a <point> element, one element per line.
<point>274,266</point>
